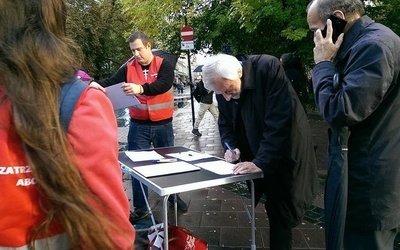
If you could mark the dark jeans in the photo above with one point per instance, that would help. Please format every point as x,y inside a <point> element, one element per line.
<point>143,136</point>
<point>369,240</point>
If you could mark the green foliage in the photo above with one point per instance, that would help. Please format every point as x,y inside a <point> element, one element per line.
<point>254,27</point>
<point>386,12</point>
<point>273,27</point>
<point>161,20</point>
<point>99,27</point>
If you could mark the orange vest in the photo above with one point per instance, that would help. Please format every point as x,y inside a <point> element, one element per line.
<point>20,208</point>
<point>154,108</point>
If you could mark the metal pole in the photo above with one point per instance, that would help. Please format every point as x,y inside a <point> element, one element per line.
<point>190,79</point>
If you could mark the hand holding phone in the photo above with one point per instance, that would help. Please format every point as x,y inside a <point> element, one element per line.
<point>338,25</point>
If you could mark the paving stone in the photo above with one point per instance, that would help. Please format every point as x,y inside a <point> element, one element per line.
<point>238,237</point>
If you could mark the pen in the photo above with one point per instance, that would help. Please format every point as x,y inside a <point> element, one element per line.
<point>229,148</point>
<point>165,160</point>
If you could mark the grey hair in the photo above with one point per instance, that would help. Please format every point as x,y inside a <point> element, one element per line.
<point>221,65</point>
<point>327,7</point>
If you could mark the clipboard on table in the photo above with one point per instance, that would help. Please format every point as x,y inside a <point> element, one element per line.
<point>118,98</point>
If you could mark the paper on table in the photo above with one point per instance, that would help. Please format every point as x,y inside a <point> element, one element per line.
<point>189,156</point>
<point>118,98</point>
<point>143,155</point>
<point>218,167</point>
<point>159,169</point>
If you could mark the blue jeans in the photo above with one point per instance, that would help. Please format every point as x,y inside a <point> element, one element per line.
<point>144,136</point>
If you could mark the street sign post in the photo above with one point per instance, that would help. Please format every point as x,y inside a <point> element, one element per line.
<point>187,44</point>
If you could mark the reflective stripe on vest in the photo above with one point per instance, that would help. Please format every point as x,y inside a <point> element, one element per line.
<point>56,242</point>
<point>155,108</point>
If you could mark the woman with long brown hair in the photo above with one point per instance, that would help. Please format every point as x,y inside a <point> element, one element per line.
<point>59,189</point>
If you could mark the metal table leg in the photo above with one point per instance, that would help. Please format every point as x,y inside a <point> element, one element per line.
<point>253,222</point>
<point>165,218</point>
<point>250,215</point>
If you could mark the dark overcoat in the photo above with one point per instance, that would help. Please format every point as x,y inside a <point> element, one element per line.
<point>268,124</point>
<point>361,90</point>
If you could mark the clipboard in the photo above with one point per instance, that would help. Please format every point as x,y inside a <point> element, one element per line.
<point>118,98</point>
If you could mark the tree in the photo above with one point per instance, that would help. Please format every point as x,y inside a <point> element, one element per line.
<point>274,27</point>
<point>99,27</point>
<point>161,20</point>
<point>385,12</point>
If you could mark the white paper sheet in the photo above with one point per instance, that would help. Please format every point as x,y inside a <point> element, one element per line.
<point>118,98</point>
<point>190,156</point>
<point>143,155</point>
<point>218,167</point>
<point>159,169</point>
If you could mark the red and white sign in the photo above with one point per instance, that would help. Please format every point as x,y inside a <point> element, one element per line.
<point>187,33</point>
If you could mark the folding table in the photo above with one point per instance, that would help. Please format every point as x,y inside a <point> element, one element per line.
<point>166,185</point>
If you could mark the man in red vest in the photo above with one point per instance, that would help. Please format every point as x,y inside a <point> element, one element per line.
<point>150,79</point>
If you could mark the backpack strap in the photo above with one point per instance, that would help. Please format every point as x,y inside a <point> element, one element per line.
<point>70,93</point>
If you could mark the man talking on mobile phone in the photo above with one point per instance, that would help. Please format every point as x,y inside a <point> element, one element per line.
<point>356,82</point>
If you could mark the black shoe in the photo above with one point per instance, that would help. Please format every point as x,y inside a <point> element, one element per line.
<point>134,217</point>
<point>181,205</point>
<point>196,132</point>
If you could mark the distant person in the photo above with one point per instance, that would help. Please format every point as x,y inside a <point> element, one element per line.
<point>150,78</point>
<point>356,84</point>
<point>180,88</point>
<point>206,104</point>
<point>60,188</point>
<point>264,123</point>
<point>295,72</point>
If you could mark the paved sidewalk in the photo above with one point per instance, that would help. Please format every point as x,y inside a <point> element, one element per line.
<point>217,214</point>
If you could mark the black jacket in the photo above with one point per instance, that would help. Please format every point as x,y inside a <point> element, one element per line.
<point>273,132</point>
<point>204,95</point>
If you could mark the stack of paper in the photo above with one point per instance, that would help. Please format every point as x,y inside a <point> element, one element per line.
<point>189,156</point>
<point>118,97</point>
<point>136,156</point>
<point>218,167</point>
<point>159,169</point>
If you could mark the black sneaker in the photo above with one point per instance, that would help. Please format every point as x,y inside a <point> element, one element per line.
<point>181,205</point>
<point>195,131</point>
<point>134,217</point>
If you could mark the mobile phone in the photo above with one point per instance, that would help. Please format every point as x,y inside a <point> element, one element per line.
<point>338,25</point>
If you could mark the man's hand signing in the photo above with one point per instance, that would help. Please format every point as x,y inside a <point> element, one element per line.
<point>232,157</point>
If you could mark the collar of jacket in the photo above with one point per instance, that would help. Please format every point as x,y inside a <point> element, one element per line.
<point>353,33</point>
<point>248,81</point>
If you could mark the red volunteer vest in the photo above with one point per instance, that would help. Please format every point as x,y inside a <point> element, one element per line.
<point>154,108</point>
<point>20,207</point>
